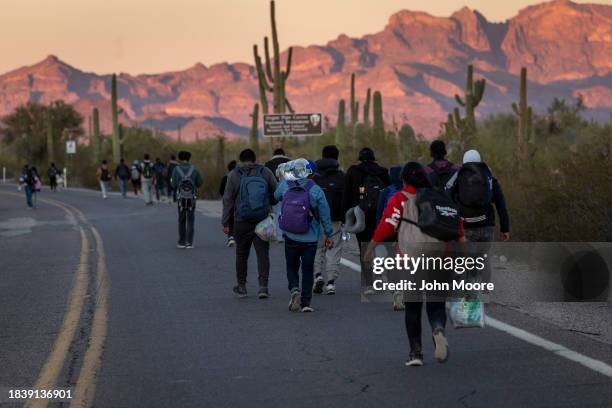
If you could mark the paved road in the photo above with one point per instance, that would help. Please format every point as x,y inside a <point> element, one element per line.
<point>158,327</point>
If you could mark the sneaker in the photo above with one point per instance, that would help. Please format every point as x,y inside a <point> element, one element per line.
<point>398,301</point>
<point>441,344</point>
<point>181,246</point>
<point>230,242</point>
<point>318,285</point>
<point>415,359</point>
<point>330,288</point>
<point>263,293</point>
<point>369,290</point>
<point>241,291</point>
<point>189,246</point>
<point>294,302</point>
<point>306,309</point>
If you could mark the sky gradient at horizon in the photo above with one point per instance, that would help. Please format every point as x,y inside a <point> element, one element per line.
<point>151,36</point>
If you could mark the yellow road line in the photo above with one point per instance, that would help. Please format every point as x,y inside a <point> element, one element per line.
<point>52,368</point>
<point>86,383</point>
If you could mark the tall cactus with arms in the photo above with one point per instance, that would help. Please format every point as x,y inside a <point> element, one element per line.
<point>525,117</point>
<point>474,91</point>
<point>115,117</point>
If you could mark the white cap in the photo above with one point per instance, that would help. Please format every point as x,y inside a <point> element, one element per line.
<point>471,156</point>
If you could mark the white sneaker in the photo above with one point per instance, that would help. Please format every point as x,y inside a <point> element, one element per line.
<point>307,309</point>
<point>330,289</point>
<point>369,290</point>
<point>398,301</point>
<point>294,302</point>
<point>441,344</point>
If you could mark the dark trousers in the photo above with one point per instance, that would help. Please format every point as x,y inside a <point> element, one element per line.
<point>136,186</point>
<point>436,314</point>
<point>244,234</point>
<point>230,225</point>
<point>159,190</point>
<point>171,192</point>
<point>303,253</point>
<point>53,183</point>
<point>186,220</point>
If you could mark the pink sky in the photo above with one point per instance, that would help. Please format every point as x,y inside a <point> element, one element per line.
<point>149,36</point>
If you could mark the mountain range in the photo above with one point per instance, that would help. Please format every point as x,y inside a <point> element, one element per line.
<point>418,62</point>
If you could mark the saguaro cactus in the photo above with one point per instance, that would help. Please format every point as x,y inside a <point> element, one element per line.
<point>525,116</point>
<point>220,164</point>
<point>341,125</point>
<point>474,91</point>
<point>254,133</point>
<point>379,125</point>
<point>273,79</point>
<point>354,103</point>
<point>95,134</point>
<point>50,141</point>
<point>115,116</point>
<point>366,108</point>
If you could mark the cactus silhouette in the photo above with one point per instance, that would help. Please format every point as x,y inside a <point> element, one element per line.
<point>115,116</point>
<point>377,108</point>
<point>474,91</point>
<point>341,125</point>
<point>366,108</point>
<point>354,103</point>
<point>525,117</point>
<point>50,141</point>
<point>273,79</point>
<point>95,134</point>
<point>254,133</point>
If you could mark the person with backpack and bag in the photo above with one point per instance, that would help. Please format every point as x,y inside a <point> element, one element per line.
<point>27,181</point>
<point>104,178</point>
<point>304,212</point>
<point>440,170</point>
<point>122,175</point>
<point>419,215</point>
<point>249,196</point>
<point>330,179</point>
<point>363,184</point>
<point>146,179</point>
<point>159,180</point>
<point>186,179</point>
<point>135,176</point>
<point>53,172</point>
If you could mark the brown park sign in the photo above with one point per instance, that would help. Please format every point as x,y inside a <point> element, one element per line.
<point>293,124</point>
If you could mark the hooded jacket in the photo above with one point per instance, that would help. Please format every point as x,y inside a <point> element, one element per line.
<point>231,195</point>
<point>275,161</point>
<point>354,179</point>
<point>325,168</point>
<point>396,185</point>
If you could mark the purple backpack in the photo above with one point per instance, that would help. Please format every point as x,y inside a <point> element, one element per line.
<point>295,210</point>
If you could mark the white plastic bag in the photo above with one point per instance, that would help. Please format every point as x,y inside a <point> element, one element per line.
<point>465,313</point>
<point>266,229</point>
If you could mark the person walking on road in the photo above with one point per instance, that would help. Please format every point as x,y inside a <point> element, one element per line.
<point>401,204</point>
<point>159,173</point>
<point>330,179</point>
<point>248,195</point>
<point>230,242</point>
<point>362,186</point>
<point>171,190</point>
<point>440,170</point>
<point>122,175</point>
<point>104,178</point>
<point>186,180</point>
<point>146,179</point>
<point>277,159</point>
<point>52,173</point>
<point>27,182</point>
<point>304,212</point>
<point>135,176</point>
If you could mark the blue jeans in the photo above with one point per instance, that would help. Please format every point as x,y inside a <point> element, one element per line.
<point>123,187</point>
<point>303,253</point>
<point>28,193</point>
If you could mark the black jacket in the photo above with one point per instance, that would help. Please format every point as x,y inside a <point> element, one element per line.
<point>354,179</point>
<point>275,161</point>
<point>325,168</point>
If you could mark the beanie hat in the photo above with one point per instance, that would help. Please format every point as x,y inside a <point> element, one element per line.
<point>471,156</point>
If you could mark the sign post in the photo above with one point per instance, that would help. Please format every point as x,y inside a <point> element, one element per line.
<point>293,124</point>
<point>70,151</point>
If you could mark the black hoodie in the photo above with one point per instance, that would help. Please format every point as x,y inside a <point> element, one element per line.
<point>329,170</point>
<point>352,181</point>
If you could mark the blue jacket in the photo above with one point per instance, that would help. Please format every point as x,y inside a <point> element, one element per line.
<point>387,193</point>
<point>319,206</point>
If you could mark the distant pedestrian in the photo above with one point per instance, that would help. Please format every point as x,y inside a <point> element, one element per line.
<point>26,181</point>
<point>277,159</point>
<point>104,178</point>
<point>304,212</point>
<point>122,175</point>
<point>230,236</point>
<point>331,180</point>
<point>146,179</point>
<point>159,173</point>
<point>186,180</point>
<point>248,195</point>
<point>53,173</point>
<point>171,190</point>
<point>135,176</point>
<point>440,170</point>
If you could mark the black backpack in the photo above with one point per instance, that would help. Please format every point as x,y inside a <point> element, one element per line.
<point>104,174</point>
<point>186,190</point>
<point>474,185</point>
<point>443,174</point>
<point>147,170</point>
<point>438,214</point>
<point>331,182</point>
<point>369,191</point>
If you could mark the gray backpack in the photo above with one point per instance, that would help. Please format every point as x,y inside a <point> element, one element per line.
<point>186,191</point>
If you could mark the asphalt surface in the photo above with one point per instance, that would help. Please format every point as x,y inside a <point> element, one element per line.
<point>177,337</point>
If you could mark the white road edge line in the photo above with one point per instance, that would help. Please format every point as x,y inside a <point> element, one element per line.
<point>562,351</point>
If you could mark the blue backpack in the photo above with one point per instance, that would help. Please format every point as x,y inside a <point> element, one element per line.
<point>254,203</point>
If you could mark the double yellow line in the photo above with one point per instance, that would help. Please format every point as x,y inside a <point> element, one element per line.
<point>83,394</point>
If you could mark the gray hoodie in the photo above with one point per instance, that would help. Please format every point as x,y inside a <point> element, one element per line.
<point>231,197</point>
